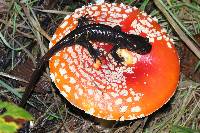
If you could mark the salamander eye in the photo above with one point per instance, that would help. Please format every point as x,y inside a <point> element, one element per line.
<point>146,40</point>
<point>144,50</point>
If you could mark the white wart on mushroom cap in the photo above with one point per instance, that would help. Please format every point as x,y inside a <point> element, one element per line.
<point>107,90</point>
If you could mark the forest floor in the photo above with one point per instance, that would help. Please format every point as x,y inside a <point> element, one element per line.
<point>24,38</point>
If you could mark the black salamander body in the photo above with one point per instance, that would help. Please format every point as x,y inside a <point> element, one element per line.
<point>102,33</point>
<point>84,33</point>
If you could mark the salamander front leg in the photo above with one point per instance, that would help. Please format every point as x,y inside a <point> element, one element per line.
<point>84,20</point>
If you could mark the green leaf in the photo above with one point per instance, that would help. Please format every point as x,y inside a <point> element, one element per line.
<point>14,111</point>
<point>12,117</point>
<point>128,1</point>
<point>144,4</point>
<point>197,66</point>
<point>180,129</point>
<point>7,127</point>
<point>18,9</point>
<point>10,89</point>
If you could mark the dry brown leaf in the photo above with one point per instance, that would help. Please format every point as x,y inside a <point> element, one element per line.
<point>25,70</point>
<point>3,6</point>
<point>189,62</point>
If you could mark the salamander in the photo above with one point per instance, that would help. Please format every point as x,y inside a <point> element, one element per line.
<point>82,35</point>
<point>85,32</point>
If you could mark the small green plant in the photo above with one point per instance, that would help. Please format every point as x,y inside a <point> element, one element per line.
<point>180,129</point>
<point>12,117</point>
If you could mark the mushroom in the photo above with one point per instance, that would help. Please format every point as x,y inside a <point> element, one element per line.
<point>108,90</point>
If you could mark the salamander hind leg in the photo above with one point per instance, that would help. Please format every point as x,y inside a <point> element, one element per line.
<point>93,52</point>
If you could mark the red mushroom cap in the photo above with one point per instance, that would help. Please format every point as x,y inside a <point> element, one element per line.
<point>108,90</point>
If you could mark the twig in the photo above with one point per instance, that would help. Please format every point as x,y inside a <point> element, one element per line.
<point>12,77</point>
<point>53,11</point>
<point>23,33</point>
<point>33,22</point>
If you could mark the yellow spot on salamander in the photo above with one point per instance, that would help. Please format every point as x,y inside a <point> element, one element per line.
<point>97,64</point>
<point>130,58</point>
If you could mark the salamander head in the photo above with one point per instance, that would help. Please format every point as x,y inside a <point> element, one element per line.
<point>139,44</point>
